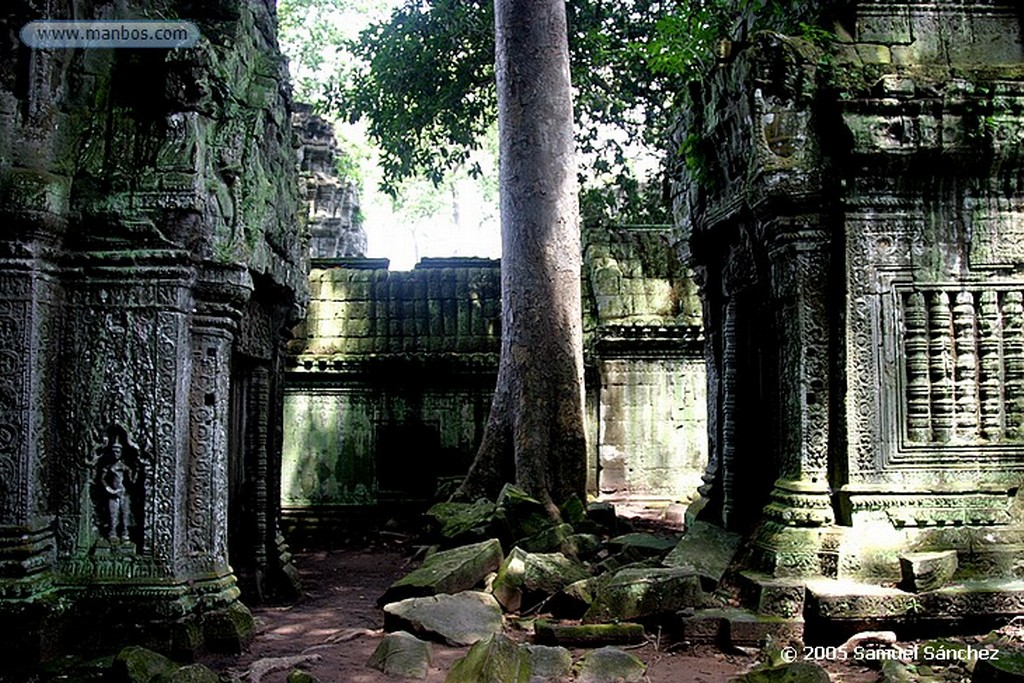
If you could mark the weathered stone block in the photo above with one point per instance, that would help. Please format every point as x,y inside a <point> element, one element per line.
<point>644,543</point>
<point>704,549</point>
<point>1007,668</point>
<point>548,663</point>
<point>495,659</point>
<point>549,540</point>
<point>588,635</point>
<point>770,596</point>
<point>136,664</point>
<point>927,571</point>
<point>610,665</point>
<point>796,672</point>
<point>523,515</point>
<point>448,571</point>
<point>642,593</point>
<point>401,654</point>
<point>190,673</point>
<point>527,578</point>
<point>460,619</point>
<point>461,519</point>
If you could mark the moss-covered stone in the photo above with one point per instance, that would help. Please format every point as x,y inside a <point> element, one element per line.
<point>230,629</point>
<point>548,662</point>
<point>460,619</point>
<point>796,672</point>
<point>524,579</point>
<point>521,514</point>
<point>610,665</point>
<point>190,673</point>
<point>1008,667</point>
<point>705,549</point>
<point>460,520</point>
<point>401,654</point>
<point>549,540</point>
<point>588,635</point>
<point>300,676</point>
<point>447,571</point>
<point>496,659</point>
<point>645,593</point>
<point>136,664</point>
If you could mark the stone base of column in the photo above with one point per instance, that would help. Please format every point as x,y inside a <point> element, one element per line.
<point>180,620</point>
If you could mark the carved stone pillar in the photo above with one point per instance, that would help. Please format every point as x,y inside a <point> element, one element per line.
<point>30,296</point>
<point>800,288</point>
<point>221,294</point>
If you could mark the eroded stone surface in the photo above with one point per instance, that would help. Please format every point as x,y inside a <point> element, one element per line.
<point>401,654</point>
<point>927,571</point>
<point>447,571</point>
<point>610,665</point>
<point>526,578</point>
<point>460,619</point>
<point>640,593</point>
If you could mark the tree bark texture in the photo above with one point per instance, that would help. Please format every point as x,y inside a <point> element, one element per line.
<point>535,429</point>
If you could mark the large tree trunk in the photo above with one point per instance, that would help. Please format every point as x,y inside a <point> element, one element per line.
<point>535,428</point>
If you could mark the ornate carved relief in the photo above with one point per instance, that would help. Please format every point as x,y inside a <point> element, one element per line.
<point>962,357</point>
<point>117,490</point>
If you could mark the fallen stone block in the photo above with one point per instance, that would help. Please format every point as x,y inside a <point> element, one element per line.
<point>300,676</point>
<point>521,515</point>
<point>610,665</point>
<point>643,593</point>
<point>460,619</point>
<point>401,654</point>
<point>190,673</point>
<point>869,639</point>
<point>463,520</point>
<point>645,544</point>
<point>705,550</point>
<point>927,571</point>
<point>548,540</point>
<point>587,635</point>
<point>495,659</point>
<point>448,571</point>
<point>574,600</point>
<point>136,664</point>
<point>525,579</point>
<point>796,672</point>
<point>548,662</point>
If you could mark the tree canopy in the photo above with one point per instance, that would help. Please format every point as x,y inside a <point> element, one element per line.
<point>425,81</point>
<point>422,79</point>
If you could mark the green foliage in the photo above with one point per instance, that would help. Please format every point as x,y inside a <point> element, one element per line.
<point>423,80</point>
<point>425,84</point>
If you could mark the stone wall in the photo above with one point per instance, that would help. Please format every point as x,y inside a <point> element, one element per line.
<point>853,212</point>
<point>389,383</point>
<point>392,373</point>
<point>148,199</point>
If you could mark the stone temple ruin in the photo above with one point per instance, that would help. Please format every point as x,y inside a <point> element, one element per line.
<point>854,215</point>
<point>847,392</point>
<point>149,262</point>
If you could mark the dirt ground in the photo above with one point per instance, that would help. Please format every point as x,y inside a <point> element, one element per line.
<point>332,630</point>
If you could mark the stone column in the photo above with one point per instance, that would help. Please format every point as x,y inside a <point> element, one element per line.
<point>221,294</point>
<point>800,268</point>
<point>30,295</point>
